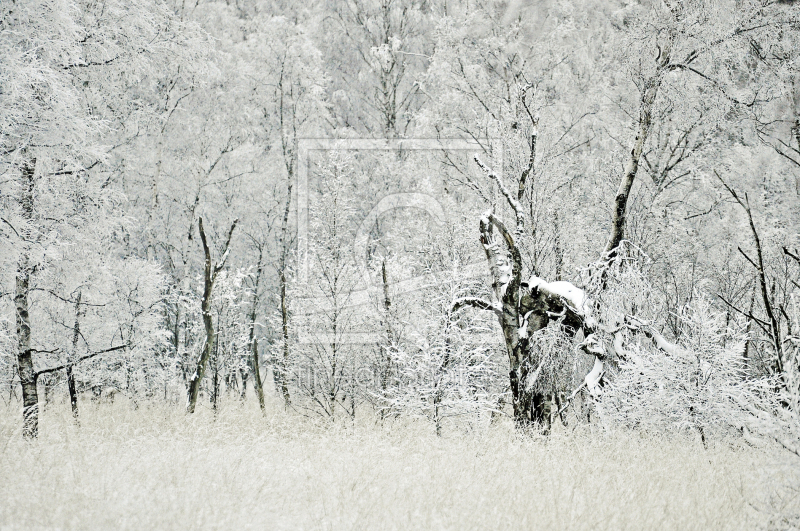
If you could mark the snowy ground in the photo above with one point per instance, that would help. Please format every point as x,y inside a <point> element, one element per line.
<point>154,468</point>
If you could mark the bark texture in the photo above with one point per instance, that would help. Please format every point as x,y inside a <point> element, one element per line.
<point>27,376</point>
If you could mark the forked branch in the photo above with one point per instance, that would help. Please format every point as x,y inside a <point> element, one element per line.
<point>511,285</point>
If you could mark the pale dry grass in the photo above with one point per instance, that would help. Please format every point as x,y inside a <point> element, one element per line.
<point>155,468</point>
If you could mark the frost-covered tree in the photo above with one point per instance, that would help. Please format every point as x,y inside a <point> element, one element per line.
<point>211,272</point>
<point>289,83</point>
<point>326,359</point>
<point>699,385</point>
<point>58,60</point>
<point>449,368</point>
<point>378,46</point>
<point>673,52</point>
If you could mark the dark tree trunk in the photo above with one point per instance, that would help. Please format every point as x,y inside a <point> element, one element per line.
<point>287,116</point>
<point>253,341</point>
<point>283,363</point>
<point>386,364</point>
<point>205,355</point>
<point>76,332</point>
<point>210,275</point>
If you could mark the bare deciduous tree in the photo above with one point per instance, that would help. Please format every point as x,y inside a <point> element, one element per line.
<point>211,271</point>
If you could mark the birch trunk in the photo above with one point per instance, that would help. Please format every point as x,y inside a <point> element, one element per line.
<point>27,376</point>
<point>651,86</point>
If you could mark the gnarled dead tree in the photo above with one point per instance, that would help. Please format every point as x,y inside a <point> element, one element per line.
<point>525,307</point>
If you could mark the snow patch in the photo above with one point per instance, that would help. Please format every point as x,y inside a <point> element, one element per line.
<point>523,327</point>
<point>572,295</point>
<point>593,378</point>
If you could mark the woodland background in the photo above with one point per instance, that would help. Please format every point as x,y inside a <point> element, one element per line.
<point>616,250</point>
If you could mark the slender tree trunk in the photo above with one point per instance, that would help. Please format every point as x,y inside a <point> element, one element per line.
<point>437,397</point>
<point>749,344</point>
<point>208,324</point>
<point>284,362</point>
<point>386,370</point>
<point>557,248</point>
<point>215,386</point>
<point>176,338</point>
<point>27,376</point>
<point>253,342</point>
<point>649,94</point>
<point>157,175</point>
<point>245,374</point>
<point>210,275</point>
<point>769,308</point>
<point>76,332</point>
<point>387,303</point>
<point>205,355</point>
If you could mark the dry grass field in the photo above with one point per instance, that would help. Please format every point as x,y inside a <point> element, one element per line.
<point>155,468</point>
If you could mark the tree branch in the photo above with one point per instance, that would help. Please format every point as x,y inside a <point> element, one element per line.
<point>73,363</point>
<point>475,302</point>
<point>515,205</point>
<point>788,253</point>
<point>762,277</point>
<point>226,249</point>
<point>759,322</point>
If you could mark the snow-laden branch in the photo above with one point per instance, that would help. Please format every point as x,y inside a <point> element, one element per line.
<point>592,379</point>
<point>764,424</point>
<point>566,294</point>
<point>515,204</point>
<point>591,382</point>
<point>490,218</point>
<point>647,329</point>
<point>86,357</point>
<point>475,302</point>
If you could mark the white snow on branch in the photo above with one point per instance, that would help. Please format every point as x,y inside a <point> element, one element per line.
<point>518,210</point>
<point>593,345</point>
<point>652,333</point>
<point>619,349</point>
<point>575,296</point>
<point>500,261</point>
<point>572,296</point>
<point>593,378</point>
<point>523,326</point>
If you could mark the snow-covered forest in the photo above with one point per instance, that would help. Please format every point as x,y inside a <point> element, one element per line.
<point>541,222</point>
